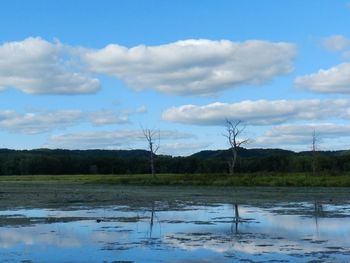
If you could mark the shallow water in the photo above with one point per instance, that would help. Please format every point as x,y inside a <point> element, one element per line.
<point>181,231</point>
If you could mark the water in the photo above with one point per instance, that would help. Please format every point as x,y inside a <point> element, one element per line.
<point>189,230</point>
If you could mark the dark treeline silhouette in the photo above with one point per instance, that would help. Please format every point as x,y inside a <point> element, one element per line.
<point>44,161</point>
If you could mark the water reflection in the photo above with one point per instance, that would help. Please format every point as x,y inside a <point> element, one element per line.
<point>293,232</point>
<point>235,220</point>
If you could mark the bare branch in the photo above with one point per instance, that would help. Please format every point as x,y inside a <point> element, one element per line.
<point>233,130</point>
<point>243,142</point>
<point>158,144</point>
<point>153,147</point>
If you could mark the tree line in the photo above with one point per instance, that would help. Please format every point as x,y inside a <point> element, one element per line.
<point>45,161</point>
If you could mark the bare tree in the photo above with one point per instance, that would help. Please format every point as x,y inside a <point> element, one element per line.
<point>233,130</point>
<point>151,136</point>
<point>314,149</point>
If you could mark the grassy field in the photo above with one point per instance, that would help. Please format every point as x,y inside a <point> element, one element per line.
<point>256,179</point>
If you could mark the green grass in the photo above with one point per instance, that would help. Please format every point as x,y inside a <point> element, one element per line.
<point>254,179</point>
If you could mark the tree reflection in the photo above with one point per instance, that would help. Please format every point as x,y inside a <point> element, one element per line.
<point>151,220</point>
<point>318,211</point>
<point>236,219</point>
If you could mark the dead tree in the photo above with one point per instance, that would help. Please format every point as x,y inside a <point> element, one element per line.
<point>233,130</point>
<point>314,153</point>
<point>153,146</point>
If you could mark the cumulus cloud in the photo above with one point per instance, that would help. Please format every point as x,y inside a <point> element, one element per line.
<point>259,112</point>
<point>41,122</point>
<point>333,80</point>
<point>193,67</point>
<point>36,66</point>
<point>336,43</point>
<point>108,139</point>
<point>301,134</point>
<point>200,67</point>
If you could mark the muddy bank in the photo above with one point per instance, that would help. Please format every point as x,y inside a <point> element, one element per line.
<point>62,194</point>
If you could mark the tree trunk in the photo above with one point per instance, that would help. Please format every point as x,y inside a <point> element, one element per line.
<point>153,148</point>
<point>232,162</point>
<point>152,165</point>
<point>230,167</point>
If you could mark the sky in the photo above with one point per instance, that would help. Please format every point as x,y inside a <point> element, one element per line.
<point>94,74</point>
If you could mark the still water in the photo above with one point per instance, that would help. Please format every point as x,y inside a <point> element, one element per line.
<point>180,231</point>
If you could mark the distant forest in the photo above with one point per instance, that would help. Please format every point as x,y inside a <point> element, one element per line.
<point>45,161</point>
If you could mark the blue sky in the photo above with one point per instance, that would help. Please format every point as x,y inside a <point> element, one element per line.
<point>91,74</point>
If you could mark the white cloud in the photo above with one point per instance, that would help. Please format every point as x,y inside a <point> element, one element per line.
<point>336,43</point>
<point>333,80</point>
<point>104,117</point>
<point>346,54</point>
<point>109,139</point>
<point>193,67</point>
<point>141,109</point>
<point>41,122</point>
<point>36,66</point>
<point>94,140</point>
<point>31,123</point>
<point>28,236</point>
<point>201,67</point>
<point>323,129</point>
<point>301,134</point>
<point>182,148</point>
<point>260,112</point>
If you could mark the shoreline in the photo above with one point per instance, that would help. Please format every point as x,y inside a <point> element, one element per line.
<point>246,180</point>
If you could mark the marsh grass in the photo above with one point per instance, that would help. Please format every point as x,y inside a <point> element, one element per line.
<point>253,179</point>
